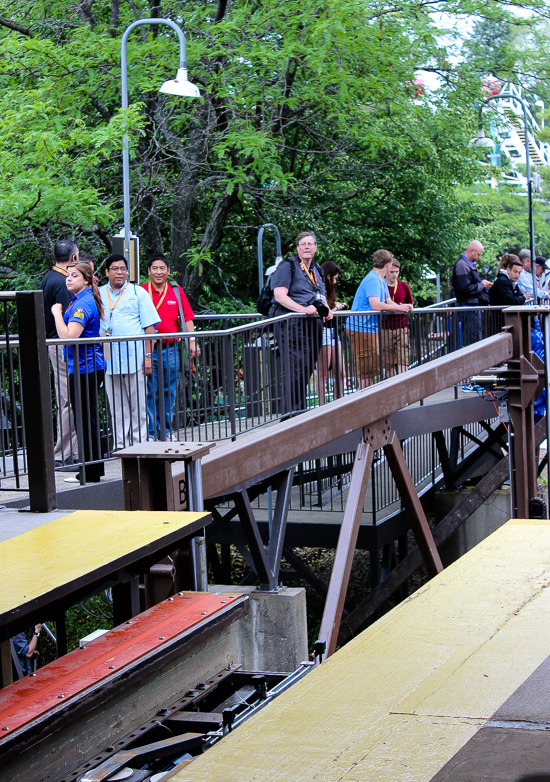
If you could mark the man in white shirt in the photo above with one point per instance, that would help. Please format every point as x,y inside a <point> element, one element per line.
<point>128,311</point>
<point>525,281</point>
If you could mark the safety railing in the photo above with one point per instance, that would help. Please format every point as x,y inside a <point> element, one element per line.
<point>242,376</point>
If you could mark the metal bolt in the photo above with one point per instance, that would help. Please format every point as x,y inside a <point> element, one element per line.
<point>162,637</point>
<point>60,696</point>
<point>223,601</point>
<point>33,675</point>
<point>5,728</point>
<point>170,599</point>
<point>111,667</point>
<point>129,622</point>
<point>203,613</point>
<point>232,595</point>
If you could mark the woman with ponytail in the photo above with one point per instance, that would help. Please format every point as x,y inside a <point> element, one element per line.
<point>81,320</point>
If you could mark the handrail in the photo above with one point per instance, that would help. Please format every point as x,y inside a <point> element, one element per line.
<point>278,447</point>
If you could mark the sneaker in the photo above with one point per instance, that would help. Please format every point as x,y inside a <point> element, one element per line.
<point>468,388</point>
<point>72,479</point>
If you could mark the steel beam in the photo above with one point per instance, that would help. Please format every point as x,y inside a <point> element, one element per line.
<point>343,559</point>
<point>255,543</point>
<point>409,497</point>
<point>278,529</point>
<point>263,453</point>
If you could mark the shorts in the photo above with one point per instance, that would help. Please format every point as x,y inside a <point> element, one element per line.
<point>329,337</point>
<point>395,348</point>
<point>365,346</point>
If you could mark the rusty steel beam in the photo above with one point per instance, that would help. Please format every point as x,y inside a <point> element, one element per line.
<point>343,558</point>
<point>409,497</point>
<point>280,446</point>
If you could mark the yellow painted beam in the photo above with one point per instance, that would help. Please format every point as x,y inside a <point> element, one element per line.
<point>396,703</point>
<point>69,547</point>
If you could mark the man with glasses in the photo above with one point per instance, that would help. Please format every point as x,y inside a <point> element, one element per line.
<point>128,312</point>
<point>298,285</point>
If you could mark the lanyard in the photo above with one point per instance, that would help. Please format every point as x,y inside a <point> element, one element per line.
<point>61,271</point>
<point>120,295</point>
<point>392,295</point>
<point>309,274</point>
<point>159,303</point>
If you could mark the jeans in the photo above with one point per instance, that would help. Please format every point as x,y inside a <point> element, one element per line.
<point>170,370</point>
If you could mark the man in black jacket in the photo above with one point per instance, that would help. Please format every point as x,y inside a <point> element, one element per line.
<point>55,291</point>
<point>471,290</point>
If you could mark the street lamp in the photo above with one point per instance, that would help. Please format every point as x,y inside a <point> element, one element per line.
<point>480,138</point>
<point>178,86</point>
<point>278,258</point>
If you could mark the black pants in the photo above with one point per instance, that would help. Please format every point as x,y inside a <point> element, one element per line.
<point>89,387</point>
<point>299,343</point>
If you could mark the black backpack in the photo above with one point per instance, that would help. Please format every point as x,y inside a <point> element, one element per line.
<point>263,305</point>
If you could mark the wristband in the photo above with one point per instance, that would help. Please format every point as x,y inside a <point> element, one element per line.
<point>36,634</point>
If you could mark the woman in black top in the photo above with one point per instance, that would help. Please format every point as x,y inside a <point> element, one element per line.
<point>505,289</point>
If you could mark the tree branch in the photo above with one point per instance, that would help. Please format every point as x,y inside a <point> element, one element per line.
<point>85,12</point>
<point>15,26</point>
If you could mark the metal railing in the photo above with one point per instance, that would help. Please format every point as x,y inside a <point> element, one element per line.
<point>247,374</point>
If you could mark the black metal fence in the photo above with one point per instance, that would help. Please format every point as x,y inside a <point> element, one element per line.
<point>246,372</point>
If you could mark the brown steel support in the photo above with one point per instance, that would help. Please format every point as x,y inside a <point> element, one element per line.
<point>343,559</point>
<point>407,490</point>
<point>523,381</point>
<point>278,529</point>
<point>255,543</point>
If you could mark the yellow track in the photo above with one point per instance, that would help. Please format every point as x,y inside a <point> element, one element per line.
<point>402,698</point>
<point>70,547</point>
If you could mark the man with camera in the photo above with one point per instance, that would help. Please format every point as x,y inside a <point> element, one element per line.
<point>372,297</point>
<point>298,285</point>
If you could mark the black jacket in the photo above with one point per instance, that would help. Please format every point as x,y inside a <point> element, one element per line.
<point>504,291</point>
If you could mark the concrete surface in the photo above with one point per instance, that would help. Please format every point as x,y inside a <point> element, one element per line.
<point>487,519</point>
<point>273,637</point>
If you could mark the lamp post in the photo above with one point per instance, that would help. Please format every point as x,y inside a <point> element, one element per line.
<point>529,181</point>
<point>278,258</point>
<point>178,86</point>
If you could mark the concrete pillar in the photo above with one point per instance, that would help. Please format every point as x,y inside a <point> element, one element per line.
<point>483,522</point>
<point>273,637</point>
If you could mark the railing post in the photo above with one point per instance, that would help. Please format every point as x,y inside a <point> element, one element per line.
<point>37,402</point>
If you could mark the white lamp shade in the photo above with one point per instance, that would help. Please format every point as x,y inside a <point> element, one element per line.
<point>481,140</point>
<point>181,86</point>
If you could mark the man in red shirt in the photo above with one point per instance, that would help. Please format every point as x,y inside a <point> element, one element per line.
<point>394,328</point>
<point>175,315</point>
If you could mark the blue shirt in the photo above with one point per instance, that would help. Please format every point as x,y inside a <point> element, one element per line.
<point>83,310</point>
<point>371,285</point>
<point>133,313</point>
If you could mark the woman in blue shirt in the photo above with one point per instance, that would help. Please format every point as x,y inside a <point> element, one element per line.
<point>82,320</point>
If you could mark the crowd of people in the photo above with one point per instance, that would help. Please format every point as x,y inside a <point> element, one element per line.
<point>140,373</point>
<point>75,308</point>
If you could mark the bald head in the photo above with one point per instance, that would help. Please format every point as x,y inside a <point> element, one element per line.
<point>474,251</point>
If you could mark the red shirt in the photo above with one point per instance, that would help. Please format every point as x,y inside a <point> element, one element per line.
<point>402,295</point>
<point>169,309</point>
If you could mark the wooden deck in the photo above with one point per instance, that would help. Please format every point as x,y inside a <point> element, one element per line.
<point>460,667</point>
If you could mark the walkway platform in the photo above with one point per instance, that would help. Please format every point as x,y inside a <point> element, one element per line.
<point>453,685</point>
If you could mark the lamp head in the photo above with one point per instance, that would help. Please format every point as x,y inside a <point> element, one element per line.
<point>181,86</point>
<point>481,140</point>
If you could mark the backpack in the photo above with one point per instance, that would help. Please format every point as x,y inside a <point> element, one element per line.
<point>263,305</point>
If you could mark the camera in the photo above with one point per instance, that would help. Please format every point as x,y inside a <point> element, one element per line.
<point>320,303</point>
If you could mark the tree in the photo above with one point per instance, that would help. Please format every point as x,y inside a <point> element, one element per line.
<point>307,115</point>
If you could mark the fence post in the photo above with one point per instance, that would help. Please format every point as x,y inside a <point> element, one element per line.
<point>37,400</point>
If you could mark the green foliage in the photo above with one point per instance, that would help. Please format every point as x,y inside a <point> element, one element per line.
<point>307,117</point>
